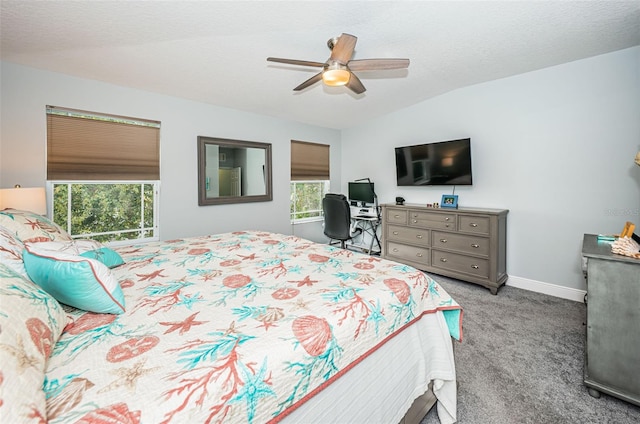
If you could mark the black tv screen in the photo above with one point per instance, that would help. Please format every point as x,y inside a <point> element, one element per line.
<point>442,163</point>
<point>361,192</point>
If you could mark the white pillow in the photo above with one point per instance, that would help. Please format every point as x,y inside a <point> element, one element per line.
<point>85,247</point>
<point>29,226</point>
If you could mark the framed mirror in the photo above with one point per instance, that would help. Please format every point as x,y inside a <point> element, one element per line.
<point>233,171</point>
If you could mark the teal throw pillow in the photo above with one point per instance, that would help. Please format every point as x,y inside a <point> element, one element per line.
<point>74,280</point>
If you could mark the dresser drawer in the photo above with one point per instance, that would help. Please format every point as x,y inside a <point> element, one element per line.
<point>460,263</point>
<point>460,242</point>
<point>396,216</point>
<point>474,224</point>
<point>407,234</point>
<point>442,221</point>
<point>409,253</point>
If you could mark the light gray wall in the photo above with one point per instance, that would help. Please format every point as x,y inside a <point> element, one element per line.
<point>555,147</point>
<point>26,92</point>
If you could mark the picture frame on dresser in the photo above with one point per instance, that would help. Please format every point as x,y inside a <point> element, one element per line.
<point>449,201</point>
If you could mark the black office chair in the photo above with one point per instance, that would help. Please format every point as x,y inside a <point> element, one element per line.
<point>337,218</point>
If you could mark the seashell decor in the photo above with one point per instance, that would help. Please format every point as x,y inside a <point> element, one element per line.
<point>627,247</point>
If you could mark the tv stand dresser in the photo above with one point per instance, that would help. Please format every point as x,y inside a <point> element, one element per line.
<point>466,243</point>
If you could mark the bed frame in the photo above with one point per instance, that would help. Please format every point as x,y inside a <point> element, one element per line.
<point>420,407</point>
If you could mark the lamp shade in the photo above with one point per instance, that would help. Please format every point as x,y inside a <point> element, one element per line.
<point>32,199</point>
<point>336,74</point>
<point>336,77</point>
<point>638,159</point>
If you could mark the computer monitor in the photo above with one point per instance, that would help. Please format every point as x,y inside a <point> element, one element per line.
<point>361,192</point>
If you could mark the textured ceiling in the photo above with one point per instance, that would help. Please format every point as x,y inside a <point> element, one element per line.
<point>215,51</point>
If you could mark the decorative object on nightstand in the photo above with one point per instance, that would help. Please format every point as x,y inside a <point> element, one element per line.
<point>628,229</point>
<point>32,199</point>
<point>626,246</point>
<point>638,159</point>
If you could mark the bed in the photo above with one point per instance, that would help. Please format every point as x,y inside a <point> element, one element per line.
<point>242,327</point>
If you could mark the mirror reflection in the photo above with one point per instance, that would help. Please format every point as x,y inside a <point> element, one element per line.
<point>233,171</point>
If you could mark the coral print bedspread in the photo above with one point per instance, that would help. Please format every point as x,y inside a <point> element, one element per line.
<point>238,327</point>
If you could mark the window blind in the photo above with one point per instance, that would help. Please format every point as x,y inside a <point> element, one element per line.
<point>309,161</point>
<point>89,146</point>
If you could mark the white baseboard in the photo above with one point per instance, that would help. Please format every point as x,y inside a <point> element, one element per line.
<point>546,288</point>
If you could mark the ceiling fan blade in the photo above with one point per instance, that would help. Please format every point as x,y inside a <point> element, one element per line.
<point>355,84</point>
<point>343,48</point>
<point>296,62</point>
<point>376,64</point>
<point>314,79</point>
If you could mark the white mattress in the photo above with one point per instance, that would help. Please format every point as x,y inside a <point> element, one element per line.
<point>382,387</point>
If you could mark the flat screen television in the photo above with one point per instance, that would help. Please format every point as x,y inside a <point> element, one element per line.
<point>361,192</point>
<point>441,163</point>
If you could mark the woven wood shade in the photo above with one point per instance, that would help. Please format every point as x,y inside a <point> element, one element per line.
<point>309,161</point>
<point>81,148</point>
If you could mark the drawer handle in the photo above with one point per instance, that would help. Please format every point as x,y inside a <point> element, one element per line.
<point>419,236</point>
<point>475,266</point>
<point>415,222</point>
<point>443,259</point>
<point>475,245</point>
<point>447,225</point>
<point>443,240</point>
<point>473,224</point>
<point>447,218</point>
<point>396,216</point>
<point>395,250</point>
<point>419,255</point>
<point>395,233</point>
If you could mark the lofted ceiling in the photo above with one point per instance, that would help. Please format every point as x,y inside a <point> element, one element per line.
<point>215,51</point>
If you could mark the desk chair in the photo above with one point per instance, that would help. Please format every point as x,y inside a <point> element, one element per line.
<point>337,218</point>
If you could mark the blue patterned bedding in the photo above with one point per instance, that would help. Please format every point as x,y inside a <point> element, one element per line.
<point>239,328</point>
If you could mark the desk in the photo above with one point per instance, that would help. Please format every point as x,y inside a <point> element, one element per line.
<point>368,224</point>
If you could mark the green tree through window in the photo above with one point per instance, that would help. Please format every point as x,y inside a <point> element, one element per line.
<point>106,211</point>
<point>306,199</point>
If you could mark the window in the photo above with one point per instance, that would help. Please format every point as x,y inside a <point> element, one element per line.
<point>309,179</point>
<point>106,211</point>
<point>103,172</point>
<point>306,199</point>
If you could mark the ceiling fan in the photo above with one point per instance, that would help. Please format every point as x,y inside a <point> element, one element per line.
<point>338,69</point>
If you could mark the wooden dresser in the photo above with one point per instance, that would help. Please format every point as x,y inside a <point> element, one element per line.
<point>467,243</point>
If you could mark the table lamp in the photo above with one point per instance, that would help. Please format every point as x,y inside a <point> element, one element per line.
<point>33,199</point>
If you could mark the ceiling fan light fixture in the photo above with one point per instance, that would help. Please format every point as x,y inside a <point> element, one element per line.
<point>339,69</point>
<point>336,75</point>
